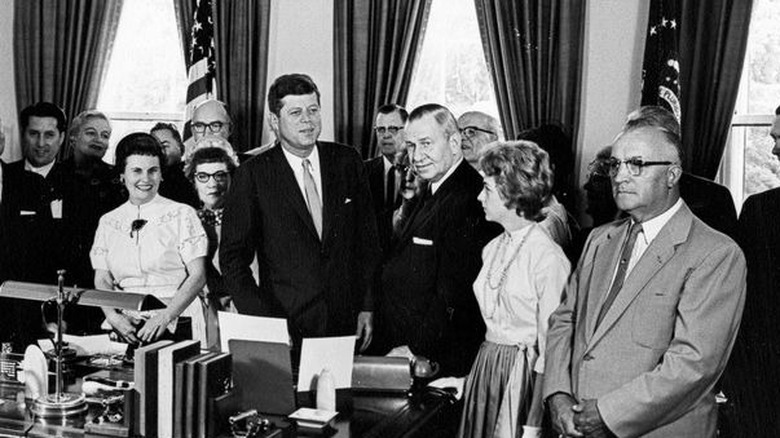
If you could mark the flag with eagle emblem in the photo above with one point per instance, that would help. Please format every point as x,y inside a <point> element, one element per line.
<point>661,65</point>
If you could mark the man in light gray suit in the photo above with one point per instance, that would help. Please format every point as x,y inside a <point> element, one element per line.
<point>651,312</point>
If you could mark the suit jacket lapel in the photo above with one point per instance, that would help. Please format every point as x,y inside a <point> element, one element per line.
<point>332,190</point>
<point>605,259</point>
<point>659,252</point>
<point>288,186</point>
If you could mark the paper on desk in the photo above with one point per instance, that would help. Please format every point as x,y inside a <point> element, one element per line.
<point>87,345</point>
<point>336,354</point>
<point>251,328</point>
<point>450,382</point>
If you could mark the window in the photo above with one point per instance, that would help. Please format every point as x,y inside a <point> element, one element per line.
<point>748,166</point>
<point>451,69</point>
<point>145,81</point>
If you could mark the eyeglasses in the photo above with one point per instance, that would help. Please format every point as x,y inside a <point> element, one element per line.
<point>381,130</point>
<point>136,226</point>
<point>471,131</point>
<point>219,176</point>
<point>214,127</point>
<point>634,165</point>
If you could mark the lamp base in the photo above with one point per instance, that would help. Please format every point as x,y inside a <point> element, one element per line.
<point>64,405</point>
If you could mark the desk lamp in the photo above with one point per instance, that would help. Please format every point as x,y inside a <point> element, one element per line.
<point>62,404</point>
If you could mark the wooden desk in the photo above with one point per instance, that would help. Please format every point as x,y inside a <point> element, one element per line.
<point>424,415</point>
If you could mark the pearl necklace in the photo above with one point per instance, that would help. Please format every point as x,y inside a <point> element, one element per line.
<point>504,272</point>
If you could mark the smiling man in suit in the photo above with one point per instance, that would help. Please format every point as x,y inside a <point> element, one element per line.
<point>651,313</point>
<point>427,306</point>
<point>303,207</point>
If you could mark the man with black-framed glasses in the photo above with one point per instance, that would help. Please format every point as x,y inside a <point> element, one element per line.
<point>477,130</point>
<point>651,313</point>
<point>210,117</point>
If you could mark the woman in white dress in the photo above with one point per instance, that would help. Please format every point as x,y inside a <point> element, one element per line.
<point>150,245</point>
<point>520,284</point>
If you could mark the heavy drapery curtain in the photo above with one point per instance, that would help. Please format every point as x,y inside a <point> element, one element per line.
<point>713,42</point>
<point>185,11</point>
<point>376,43</point>
<point>534,51</point>
<point>241,39</point>
<point>61,49</point>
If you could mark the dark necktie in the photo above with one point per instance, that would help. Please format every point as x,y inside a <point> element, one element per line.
<point>390,189</point>
<point>620,276</point>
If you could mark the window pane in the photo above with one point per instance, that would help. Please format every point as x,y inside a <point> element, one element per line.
<point>451,69</point>
<point>763,58</point>
<point>146,69</point>
<point>762,169</point>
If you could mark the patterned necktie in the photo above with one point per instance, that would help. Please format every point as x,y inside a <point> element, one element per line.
<point>312,197</point>
<point>620,276</point>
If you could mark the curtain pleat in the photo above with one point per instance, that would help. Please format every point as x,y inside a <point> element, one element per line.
<point>61,49</point>
<point>713,43</point>
<point>375,46</point>
<point>185,11</point>
<point>534,53</point>
<point>241,40</point>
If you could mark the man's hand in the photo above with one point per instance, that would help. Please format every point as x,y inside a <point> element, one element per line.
<point>562,414</point>
<point>587,419</point>
<point>365,329</point>
<point>155,326</point>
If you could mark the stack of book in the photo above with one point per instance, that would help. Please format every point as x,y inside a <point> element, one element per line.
<point>175,384</point>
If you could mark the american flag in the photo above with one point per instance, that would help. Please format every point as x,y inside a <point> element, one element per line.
<point>661,66</point>
<point>202,65</point>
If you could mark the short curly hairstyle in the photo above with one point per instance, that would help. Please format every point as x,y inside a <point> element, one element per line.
<point>137,143</point>
<point>522,173</point>
<point>208,155</point>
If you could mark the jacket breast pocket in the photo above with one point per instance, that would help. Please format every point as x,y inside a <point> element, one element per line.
<point>654,319</point>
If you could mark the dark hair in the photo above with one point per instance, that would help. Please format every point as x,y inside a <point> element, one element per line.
<point>390,108</point>
<point>777,111</point>
<point>440,113</point>
<point>162,126</point>
<point>522,173</point>
<point>44,109</point>
<point>137,143</point>
<point>208,155</point>
<point>660,118</point>
<point>297,84</point>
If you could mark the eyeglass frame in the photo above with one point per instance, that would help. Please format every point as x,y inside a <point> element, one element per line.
<point>200,127</point>
<point>393,130</point>
<point>220,176</point>
<point>634,165</point>
<point>465,131</point>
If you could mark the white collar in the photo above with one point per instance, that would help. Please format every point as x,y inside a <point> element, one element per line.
<point>435,185</point>
<point>42,171</point>
<point>296,161</point>
<point>388,164</point>
<point>652,227</point>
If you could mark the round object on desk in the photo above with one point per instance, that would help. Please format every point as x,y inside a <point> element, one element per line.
<point>36,373</point>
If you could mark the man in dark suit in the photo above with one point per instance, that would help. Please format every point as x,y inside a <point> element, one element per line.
<point>751,380</point>
<point>427,306</point>
<point>303,207</point>
<point>36,237</point>
<point>384,177</point>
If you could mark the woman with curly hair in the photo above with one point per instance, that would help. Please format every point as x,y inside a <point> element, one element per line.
<point>519,286</point>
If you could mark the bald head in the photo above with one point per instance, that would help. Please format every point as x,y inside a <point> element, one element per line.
<point>210,117</point>
<point>478,129</point>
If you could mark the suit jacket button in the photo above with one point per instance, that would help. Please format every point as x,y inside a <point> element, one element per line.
<point>587,357</point>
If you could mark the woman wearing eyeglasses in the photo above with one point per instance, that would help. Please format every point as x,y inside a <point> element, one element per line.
<point>520,284</point>
<point>150,245</point>
<point>210,168</point>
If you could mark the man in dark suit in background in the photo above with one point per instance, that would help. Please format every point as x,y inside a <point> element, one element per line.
<point>304,208</point>
<point>384,177</point>
<point>426,305</point>
<point>751,379</point>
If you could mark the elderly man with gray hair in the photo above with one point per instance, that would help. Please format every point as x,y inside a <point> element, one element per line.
<point>477,130</point>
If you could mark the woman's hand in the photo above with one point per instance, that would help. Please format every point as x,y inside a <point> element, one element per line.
<point>124,325</point>
<point>155,326</point>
